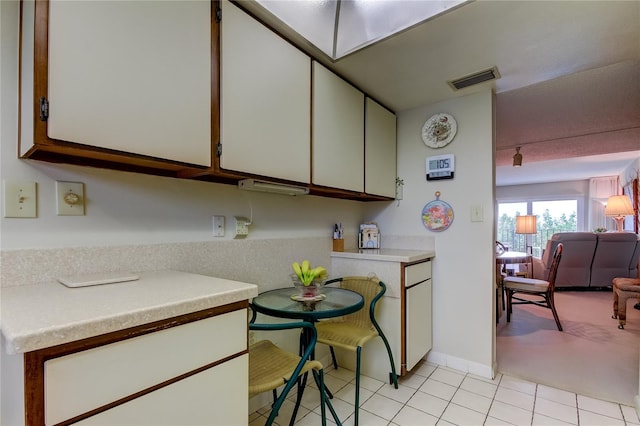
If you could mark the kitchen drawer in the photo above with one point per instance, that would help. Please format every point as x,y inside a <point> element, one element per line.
<point>416,273</point>
<point>77,383</point>
<point>201,399</point>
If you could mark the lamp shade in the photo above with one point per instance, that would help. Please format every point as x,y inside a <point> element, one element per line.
<point>526,224</point>
<point>618,205</point>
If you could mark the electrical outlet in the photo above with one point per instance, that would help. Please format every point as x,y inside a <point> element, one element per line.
<point>218,226</point>
<point>242,227</point>
<point>70,198</point>
<point>19,199</point>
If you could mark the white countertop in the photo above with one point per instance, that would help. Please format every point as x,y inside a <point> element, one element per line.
<point>40,316</point>
<point>388,255</point>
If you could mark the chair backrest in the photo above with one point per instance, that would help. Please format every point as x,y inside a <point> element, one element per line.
<point>372,289</point>
<point>553,270</point>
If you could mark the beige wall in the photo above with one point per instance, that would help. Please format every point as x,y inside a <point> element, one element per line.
<point>463,272</point>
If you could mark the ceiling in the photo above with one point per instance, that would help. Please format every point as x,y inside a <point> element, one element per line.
<point>569,91</point>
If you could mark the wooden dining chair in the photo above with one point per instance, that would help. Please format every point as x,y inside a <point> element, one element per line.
<point>534,291</point>
<point>271,367</point>
<point>353,331</point>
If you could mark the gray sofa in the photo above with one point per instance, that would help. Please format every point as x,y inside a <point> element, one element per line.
<point>590,260</point>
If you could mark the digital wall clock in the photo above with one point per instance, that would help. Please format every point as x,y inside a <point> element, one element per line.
<point>440,167</point>
<point>439,130</point>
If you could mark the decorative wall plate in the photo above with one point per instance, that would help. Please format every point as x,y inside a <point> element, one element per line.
<point>439,130</point>
<point>437,215</point>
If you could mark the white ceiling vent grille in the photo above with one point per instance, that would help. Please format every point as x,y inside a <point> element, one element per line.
<point>475,78</point>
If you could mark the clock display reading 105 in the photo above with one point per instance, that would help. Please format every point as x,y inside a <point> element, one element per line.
<point>440,167</point>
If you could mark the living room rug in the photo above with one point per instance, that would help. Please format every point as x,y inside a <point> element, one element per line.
<point>591,357</point>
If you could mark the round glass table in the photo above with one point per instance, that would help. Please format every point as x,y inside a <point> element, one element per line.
<point>336,302</point>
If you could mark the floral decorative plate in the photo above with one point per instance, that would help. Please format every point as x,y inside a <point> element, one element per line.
<point>439,130</point>
<point>437,215</point>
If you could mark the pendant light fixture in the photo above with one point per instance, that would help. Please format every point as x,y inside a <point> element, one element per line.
<point>517,158</point>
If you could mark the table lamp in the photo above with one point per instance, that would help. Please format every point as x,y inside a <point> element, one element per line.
<point>618,207</point>
<point>526,224</point>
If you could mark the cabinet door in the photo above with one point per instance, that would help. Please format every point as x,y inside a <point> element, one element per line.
<point>217,396</point>
<point>128,76</point>
<point>338,132</point>
<point>418,322</point>
<point>380,150</point>
<point>80,382</point>
<point>265,100</point>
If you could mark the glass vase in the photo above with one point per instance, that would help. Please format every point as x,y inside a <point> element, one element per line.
<point>313,290</point>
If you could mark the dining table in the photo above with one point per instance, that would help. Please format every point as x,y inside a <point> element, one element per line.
<point>515,257</point>
<point>509,258</point>
<point>330,303</point>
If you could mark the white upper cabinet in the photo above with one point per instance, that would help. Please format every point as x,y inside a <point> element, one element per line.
<point>134,77</point>
<point>338,132</point>
<point>265,100</point>
<point>380,150</point>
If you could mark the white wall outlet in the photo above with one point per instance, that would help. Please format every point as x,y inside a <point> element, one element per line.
<point>70,198</point>
<point>242,227</point>
<point>20,199</point>
<point>218,226</point>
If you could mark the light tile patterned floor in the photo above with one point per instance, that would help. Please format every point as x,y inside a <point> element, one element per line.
<point>434,395</point>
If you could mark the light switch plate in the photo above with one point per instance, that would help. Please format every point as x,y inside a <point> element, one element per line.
<point>70,198</point>
<point>477,214</point>
<point>19,199</point>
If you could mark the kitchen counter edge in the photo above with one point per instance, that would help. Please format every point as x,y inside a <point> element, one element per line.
<point>386,255</point>
<point>40,316</point>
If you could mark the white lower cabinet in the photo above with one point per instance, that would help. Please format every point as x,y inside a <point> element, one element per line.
<point>82,381</point>
<point>417,313</point>
<point>217,393</point>
<point>404,312</point>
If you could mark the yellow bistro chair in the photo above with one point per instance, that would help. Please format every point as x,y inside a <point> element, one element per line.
<point>271,367</point>
<point>353,331</point>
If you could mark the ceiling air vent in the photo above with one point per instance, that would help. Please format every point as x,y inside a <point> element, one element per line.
<point>475,78</point>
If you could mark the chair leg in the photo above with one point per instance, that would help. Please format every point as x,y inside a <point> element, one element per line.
<point>393,376</point>
<point>622,309</point>
<point>333,357</point>
<point>552,305</point>
<point>322,397</point>
<point>302,382</point>
<point>356,415</point>
<point>509,294</point>
<point>325,396</point>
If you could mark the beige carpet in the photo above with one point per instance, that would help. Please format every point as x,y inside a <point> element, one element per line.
<point>591,356</point>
